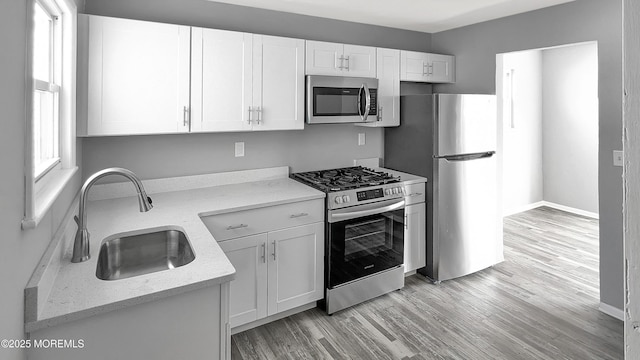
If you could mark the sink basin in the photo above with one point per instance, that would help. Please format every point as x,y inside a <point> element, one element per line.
<point>127,256</point>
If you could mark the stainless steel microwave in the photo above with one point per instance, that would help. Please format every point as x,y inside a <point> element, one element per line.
<point>338,99</point>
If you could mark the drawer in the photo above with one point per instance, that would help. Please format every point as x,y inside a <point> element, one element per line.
<point>414,193</point>
<point>249,222</point>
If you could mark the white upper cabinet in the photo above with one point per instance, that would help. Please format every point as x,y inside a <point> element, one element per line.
<point>244,82</point>
<point>325,58</point>
<point>278,83</point>
<point>425,67</point>
<point>388,64</point>
<point>221,80</point>
<point>137,79</point>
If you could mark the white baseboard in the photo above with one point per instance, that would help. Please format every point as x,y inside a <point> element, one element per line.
<point>612,311</point>
<point>551,205</point>
<point>524,208</point>
<point>571,210</point>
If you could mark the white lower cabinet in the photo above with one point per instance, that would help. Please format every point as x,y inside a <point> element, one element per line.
<point>278,269</point>
<point>249,288</point>
<point>296,265</point>
<point>191,325</point>
<point>415,232</point>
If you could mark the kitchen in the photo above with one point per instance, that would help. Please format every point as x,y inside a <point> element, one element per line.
<point>179,155</point>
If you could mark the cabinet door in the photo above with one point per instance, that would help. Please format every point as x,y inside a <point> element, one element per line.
<point>413,66</point>
<point>221,80</point>
<point>249,288</point>
<point>388,64</point>
<point>441,68</point>
<point>322,58</point>
<point>278,83</point>
<point>359,61</point>
<point>415,256</point>
<point>296,263</point>
<point>138,77</point>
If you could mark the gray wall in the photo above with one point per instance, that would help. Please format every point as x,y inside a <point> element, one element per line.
<point>158,156</point>
<point>318,146</point>
<point>570,126</point>
<point>20,250</point>
<point>476,46</point>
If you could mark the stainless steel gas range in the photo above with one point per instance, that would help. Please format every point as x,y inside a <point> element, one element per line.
<point>364,233</point>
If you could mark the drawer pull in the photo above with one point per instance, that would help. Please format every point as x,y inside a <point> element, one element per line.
<point>234,227</point>
<point>415,194</point>
<point>294,216</point>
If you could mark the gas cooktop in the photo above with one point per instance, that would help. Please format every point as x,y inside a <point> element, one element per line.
<point>344,178</point>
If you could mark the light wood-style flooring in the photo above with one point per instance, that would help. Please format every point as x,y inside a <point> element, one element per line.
<point>540,303</point>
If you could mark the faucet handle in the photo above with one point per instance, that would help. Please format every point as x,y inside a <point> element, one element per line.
<point>75,218</point>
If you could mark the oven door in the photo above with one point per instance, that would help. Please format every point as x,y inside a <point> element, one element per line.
<point>364,240</point>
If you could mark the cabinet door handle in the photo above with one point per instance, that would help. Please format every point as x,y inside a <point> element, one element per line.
<point>341,58</point>
<point>380,114</point>
<point>185,116</point>
<point>259,111</point>
<point>346,58</point>
<point>425,72</point>
<point>294,216</point>
<point>264,252</point>
<point>274,250</point>
<point>406,222</point>
<point>234,227</point>
<point>250,112</point>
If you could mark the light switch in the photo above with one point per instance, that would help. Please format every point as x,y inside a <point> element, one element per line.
<point>618,158</point>
<point>361,139</point>
<point>239,149</point>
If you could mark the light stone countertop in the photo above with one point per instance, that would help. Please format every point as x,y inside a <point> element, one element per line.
<point>77,293</point>
<point>406,177</point>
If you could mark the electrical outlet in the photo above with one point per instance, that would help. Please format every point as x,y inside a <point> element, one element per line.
<point>361,139</point>
<point>618,158</point>
<point>239,149</point>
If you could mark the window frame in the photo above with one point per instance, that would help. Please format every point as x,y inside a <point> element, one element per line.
<point>44,185</point>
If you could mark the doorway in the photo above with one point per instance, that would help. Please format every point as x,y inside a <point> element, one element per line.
<point>548,151</point>
<point>548,128</point>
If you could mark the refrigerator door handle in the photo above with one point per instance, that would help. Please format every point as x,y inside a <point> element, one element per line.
<point>466,157</point>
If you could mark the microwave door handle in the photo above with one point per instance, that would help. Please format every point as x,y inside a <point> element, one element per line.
<point>359,103</point>
<point>367,104</point>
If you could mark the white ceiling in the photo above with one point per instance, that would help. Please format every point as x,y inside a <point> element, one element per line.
<point>420,15</point>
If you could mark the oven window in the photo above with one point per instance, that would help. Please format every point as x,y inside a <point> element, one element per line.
<point>363,246</point>
<point>366,238</point>
<point>335,101</point>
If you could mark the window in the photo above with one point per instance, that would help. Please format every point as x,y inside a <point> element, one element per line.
<point>46,97</point>
<point>50,136</point>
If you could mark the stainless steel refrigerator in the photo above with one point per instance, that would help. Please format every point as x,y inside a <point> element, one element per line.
<point>451,140</point>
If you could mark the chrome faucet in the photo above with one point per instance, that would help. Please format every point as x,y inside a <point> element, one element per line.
<point>81,243</point>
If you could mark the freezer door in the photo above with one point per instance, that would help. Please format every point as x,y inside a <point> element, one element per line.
<point>466,219</point>
<point>464,124</point>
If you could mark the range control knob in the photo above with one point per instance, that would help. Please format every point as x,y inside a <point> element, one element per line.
<point>395,190</point>
<point>346,198</point>
<point>338,200</point>
<point>387,191</point>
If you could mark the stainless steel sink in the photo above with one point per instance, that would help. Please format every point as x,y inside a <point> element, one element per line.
<point>128,256</point>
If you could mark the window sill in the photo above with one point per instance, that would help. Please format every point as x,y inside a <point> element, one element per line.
<point>47,195</point>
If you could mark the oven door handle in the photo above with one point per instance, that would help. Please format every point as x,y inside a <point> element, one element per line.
<point>379,208</point>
